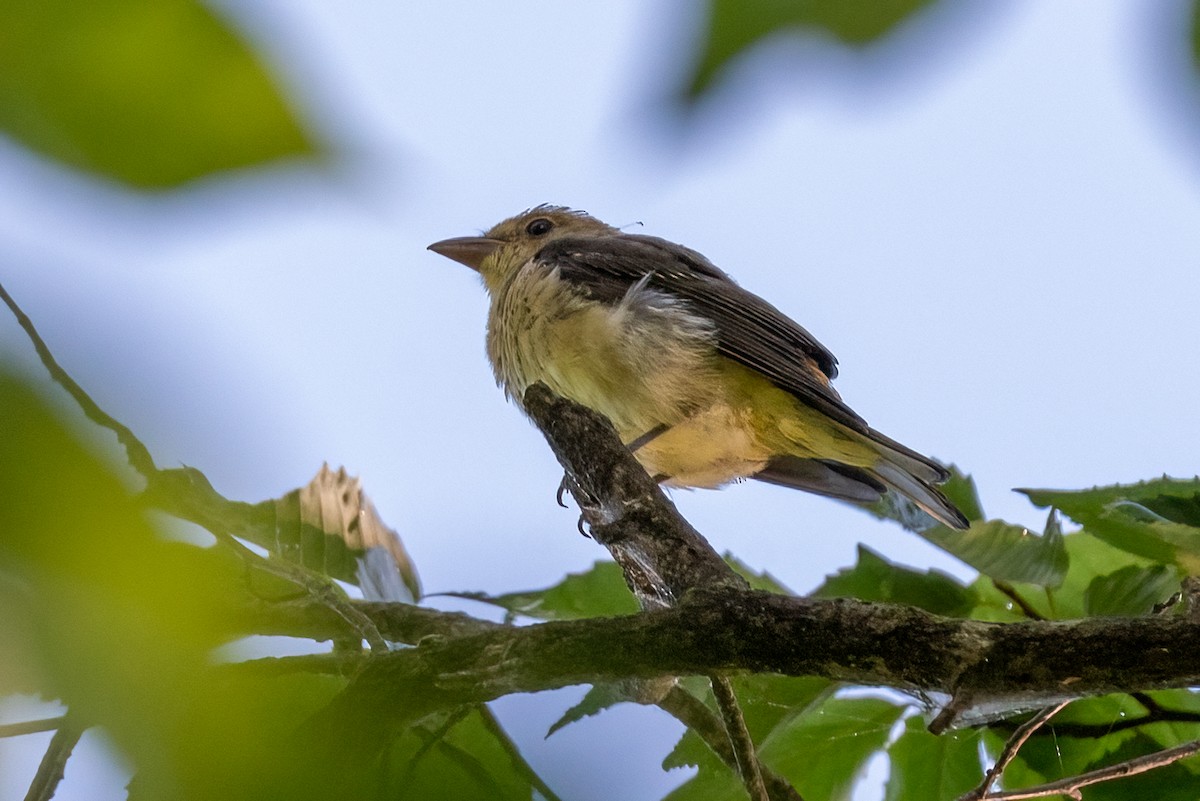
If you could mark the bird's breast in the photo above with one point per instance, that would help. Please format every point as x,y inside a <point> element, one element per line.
<point>642,362</point>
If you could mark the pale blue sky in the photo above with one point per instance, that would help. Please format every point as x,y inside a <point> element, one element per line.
<point>999,241</point>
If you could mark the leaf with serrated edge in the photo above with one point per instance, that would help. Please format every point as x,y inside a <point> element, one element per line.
<point>1159,519</point>
<point>1006,552</point>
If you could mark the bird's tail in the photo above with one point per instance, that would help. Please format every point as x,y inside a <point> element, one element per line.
<point>895,468</point>
<point>914,476</point>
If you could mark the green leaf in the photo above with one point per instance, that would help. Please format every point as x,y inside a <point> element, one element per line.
<point>1045,757</point>
<point>1130,590</point>
<point>769,700</point>
<point>1006,552</point>
<point>1174,782</point>
<point>735,26</point>
<point>823,750</point>
<point>766,700</point>
<point>925,765</point>
<point>1168,733</point>
<point>599,592</point>
<point>713,780</point>
<point>1159,519</point>
<point>151,93</point>
<point>598,698</point>
<point>1057,750</point>
<point>874,578</point>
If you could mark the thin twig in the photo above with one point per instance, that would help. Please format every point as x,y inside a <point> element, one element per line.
<point>139,455</point>
<point>31,726</point>
<point>1070,787</point>
<point>739,737</point>
<point>693,713</point>
<point>54,761</point>
<point>491,723</point>
<point>432,738</point>
<point>1148,703</point>
<point>1009,752</point>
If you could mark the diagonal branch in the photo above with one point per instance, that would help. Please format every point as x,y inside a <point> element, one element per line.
<point>54,762</point>
<point>1009,753</point>
<point>661,556</point>
<point>1071,786</point>
<point>139,455</point>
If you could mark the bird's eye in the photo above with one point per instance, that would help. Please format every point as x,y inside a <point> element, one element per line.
<point>539,227</point>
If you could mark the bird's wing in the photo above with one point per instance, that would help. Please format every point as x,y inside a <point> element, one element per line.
<point>750,331</point>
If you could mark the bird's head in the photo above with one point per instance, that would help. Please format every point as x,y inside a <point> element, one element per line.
<point>512,243</point>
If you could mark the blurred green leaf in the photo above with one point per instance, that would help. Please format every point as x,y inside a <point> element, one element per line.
<point>1131,590</point>
<point>599,592</point>
<point>1006,552</point>
<point>1196,34</point>
<point>734,27</point>
<point>122,623</point>
<point>874,578</point>
<point>456,756</point>
<point>932,766</point>
<point>1158,519</point>
<point>151,93</point>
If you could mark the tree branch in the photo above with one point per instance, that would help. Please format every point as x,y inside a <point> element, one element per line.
<point>1009,753</point>
<point>1071,786</point>
<point>54,761</point>
<point>745,757</point>
<point>661,555</point>
<point>1006,665</point>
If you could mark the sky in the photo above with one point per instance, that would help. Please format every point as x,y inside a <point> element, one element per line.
<point>991,220</point>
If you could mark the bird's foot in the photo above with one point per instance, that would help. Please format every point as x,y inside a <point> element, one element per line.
<point>644,439</point>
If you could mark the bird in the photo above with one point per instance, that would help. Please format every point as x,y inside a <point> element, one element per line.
<point>705,382</point>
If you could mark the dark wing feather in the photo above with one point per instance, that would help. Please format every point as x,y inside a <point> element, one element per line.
<point>749,330</point>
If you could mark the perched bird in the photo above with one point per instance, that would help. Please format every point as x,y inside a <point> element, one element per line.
<point>706,382</point>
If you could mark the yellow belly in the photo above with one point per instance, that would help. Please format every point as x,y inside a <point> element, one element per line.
<point>708,449</point>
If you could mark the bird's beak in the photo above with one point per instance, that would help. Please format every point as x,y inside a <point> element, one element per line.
<point>468,250</point>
